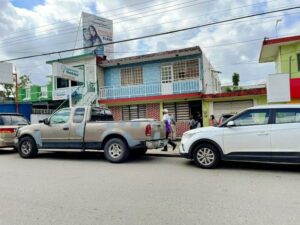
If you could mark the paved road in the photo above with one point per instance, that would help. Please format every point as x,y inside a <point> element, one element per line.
<point>85,189</point>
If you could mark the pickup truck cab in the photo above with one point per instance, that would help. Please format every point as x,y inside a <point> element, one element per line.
<point>262,133</point>
<point>90,128</point>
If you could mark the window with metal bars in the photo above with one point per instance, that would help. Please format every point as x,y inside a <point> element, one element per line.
<point>130,112</point>
<point>131,76</point>
<point>185,70</point>
<point>180,110</point>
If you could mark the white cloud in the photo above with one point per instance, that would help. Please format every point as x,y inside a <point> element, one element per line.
<point>53,26</point>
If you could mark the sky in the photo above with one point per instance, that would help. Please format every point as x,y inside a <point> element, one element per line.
<point>41,26</point>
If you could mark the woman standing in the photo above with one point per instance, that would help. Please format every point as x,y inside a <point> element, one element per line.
<point>213,121</point>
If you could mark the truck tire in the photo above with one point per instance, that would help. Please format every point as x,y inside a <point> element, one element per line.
<point>27,147</point>
<point>206,156</point>
<point>116,150</point>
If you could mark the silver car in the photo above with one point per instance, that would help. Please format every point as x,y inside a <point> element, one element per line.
<point>9,124</point>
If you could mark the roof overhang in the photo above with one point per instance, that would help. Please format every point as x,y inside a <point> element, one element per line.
<point>74,58</point>
<point>151,57</point>
<point>270,47</point>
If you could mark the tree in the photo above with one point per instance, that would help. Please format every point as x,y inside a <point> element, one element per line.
<point>24,81</point>
<point>235,79</point>
<point>9,90</point>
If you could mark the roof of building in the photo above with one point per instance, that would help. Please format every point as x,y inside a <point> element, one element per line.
<point>238,93</point>
<point>73,58</point>
<point>270,47</point>
<point>150,57</point>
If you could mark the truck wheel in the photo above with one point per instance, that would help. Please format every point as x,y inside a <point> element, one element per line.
<point>27,147</point>
<point>116,150</point>
<point>206,156</point>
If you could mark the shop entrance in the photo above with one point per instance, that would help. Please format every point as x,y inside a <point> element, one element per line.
<point>196,110</point>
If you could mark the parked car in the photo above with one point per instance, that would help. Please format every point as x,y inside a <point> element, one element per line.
<point>262,133</point>
<point>84,128</point>
<point>9,124</point>
<point>225,117</point>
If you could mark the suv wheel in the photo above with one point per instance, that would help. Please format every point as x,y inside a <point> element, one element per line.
<point>206,156</point>
<point>116,150</point>
<point>27,147</point>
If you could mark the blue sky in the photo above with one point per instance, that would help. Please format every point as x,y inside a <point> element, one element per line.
<point>27,4</point>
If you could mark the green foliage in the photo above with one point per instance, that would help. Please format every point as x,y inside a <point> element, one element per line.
<point>9,90</point>
<point>24,81</point>
<point>235,79</point>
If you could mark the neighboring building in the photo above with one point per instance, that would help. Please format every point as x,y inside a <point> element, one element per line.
<point>285,52</point>
<point>141,86</point>
<point>231,102</point>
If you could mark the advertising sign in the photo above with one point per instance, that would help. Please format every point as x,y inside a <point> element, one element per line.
<point>6,73</point>
<point>60,94</point>
<point>278,88</point>
<point>96,31</point>
<point>67,72</point>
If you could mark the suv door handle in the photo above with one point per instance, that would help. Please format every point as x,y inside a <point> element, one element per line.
<point>66,128</point>
<point>263,133</point>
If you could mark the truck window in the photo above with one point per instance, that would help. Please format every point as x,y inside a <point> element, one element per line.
<point>61,116</point>
<point>78,115</point>
<point>99,114</point>
<point>18,120</point>
<point>5,120</point>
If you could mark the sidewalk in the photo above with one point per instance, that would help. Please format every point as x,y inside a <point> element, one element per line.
<point>169,153</point>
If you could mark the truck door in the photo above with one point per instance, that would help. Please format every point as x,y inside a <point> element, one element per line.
<point>77,127</point>
<point>56,133</point>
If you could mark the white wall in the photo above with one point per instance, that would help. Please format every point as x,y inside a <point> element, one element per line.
<point>211,80</point>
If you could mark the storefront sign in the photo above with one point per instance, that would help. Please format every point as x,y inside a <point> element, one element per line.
<point>6,73</point>
<point>67,72</point>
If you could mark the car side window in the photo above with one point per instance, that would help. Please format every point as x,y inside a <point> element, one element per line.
<point>5,120</point>
<point>61,116</point>
<point>18,120</point>
<point>253,117</point>
<point>287,116</point>
<point>78,115</point>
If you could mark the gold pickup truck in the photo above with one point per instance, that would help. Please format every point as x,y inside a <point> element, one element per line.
<point>90,128</point>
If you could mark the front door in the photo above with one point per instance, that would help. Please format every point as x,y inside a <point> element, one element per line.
<point>250,137</point>
<point>56,133</point>
<point>166,80</point>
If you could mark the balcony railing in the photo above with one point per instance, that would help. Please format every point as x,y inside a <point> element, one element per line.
<point>150,89</point>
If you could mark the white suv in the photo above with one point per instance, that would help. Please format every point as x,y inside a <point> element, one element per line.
<point>268,133</point>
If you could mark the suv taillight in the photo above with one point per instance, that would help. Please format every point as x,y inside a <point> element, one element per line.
<point>148,130</point>
<point>7,130</point>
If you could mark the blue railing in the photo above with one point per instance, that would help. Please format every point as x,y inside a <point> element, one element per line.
<point>150,89</point>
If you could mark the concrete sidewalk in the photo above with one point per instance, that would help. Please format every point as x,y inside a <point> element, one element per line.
<point>169,153</point>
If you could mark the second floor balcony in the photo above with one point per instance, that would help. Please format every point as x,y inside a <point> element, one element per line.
<point>151,89</point>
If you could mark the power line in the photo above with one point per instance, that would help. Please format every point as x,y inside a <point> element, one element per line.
<point>72,30</point>
<point>158,34</point>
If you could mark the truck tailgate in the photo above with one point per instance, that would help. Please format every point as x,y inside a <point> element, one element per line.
<point>158,130</point>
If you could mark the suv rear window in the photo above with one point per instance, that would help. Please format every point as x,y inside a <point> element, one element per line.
<point>13,120</point>
<point>99,114</point>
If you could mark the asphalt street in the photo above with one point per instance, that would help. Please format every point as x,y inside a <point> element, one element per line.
<point>73,188</point>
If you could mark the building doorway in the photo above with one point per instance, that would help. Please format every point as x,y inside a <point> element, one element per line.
<point>196,110</point>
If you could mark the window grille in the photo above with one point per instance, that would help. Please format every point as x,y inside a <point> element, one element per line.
<point>130,112</point>
<point>185,70</point>
<point>131,76</point>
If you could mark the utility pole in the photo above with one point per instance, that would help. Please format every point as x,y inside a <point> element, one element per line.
<point>16,92</point>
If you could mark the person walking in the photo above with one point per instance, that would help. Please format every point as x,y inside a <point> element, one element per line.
<point>167,121</point>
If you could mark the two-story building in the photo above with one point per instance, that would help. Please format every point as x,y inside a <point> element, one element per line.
<point>141,86</point>
<point>285,52</point>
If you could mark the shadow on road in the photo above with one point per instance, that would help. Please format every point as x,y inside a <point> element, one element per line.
<point>89,156</point>
<point>7,151</point>
<point>253,166</point>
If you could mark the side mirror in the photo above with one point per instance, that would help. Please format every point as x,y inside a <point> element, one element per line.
<point>230,124</point>
<point>46,121</point>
